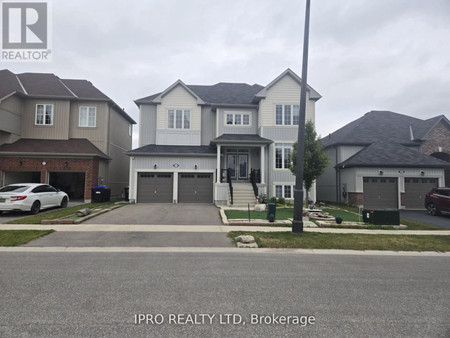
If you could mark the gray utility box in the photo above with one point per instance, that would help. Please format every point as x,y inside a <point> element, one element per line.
<point>382,217</point>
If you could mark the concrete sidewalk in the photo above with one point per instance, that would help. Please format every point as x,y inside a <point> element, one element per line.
<point>205,228</point>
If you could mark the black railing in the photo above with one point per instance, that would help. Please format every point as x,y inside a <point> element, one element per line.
<point>255,177</point>
<point>230,184</point>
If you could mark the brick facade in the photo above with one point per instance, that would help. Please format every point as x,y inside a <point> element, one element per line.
<point>439,137</point>
<point>89,166</point>
<point>402,199</point>
<point>355,198</point>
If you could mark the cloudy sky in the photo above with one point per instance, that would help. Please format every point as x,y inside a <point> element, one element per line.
<point>364,54</point>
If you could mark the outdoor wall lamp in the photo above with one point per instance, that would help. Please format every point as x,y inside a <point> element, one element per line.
<point>44,163</point>
<point>66,164</point>
<point>195,166</point>
<point>381,172</point>
<point>422,173</point>
<point>155,166</point>
<point>21,163</point>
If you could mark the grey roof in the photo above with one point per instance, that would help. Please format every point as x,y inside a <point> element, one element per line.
<point>74,147</point>
<point>391,154</point>
<point>223,93</point>
<point>382,126</point>
<point>241,138</point>
<point>155,149</point>
<point>44,85</point>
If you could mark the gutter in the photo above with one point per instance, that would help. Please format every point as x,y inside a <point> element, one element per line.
<point>72,155</point>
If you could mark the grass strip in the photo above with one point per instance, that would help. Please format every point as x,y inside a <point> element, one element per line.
<point>308,240</point>
<point>19,237</point>
<point>58,213</point>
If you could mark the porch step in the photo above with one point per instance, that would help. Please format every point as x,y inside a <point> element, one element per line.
<point>242,195</point>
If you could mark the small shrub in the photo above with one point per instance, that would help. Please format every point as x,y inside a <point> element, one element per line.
<point>281,200</point>
<point>273,200</point>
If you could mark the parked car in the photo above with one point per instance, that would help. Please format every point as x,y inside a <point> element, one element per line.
<point>31,197</point>
<point>437,200</point>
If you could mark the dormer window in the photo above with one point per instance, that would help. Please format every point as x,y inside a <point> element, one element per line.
<point>237,119</point>
<point>44,114</point>
<point>287,115</point>
<point>179,119</point>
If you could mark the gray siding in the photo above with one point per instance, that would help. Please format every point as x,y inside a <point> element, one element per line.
<point>326,184</point>
<point>208,126</point>
<point>9,122</point>
<point>225,129</point>
<point>280,133</point>
<point>147,125</point>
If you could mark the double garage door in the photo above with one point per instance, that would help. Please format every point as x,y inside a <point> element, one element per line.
<point>158,188</point>
<point>382,193</point>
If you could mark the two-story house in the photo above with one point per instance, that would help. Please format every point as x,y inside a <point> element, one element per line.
<point>63,132</point>
<point>216,143</point>
<point>386,160</point>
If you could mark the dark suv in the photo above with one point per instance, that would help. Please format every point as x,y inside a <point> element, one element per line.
<point>437,200</point>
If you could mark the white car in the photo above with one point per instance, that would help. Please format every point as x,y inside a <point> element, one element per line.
<point>31,197</point>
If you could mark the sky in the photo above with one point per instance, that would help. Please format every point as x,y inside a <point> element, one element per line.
<point>363,54</point>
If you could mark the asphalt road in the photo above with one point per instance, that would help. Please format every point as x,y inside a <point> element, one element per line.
<point>164,213</point>
<point>99,294</point>
<point>442,221</point>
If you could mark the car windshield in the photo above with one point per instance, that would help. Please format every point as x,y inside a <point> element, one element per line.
<point>14,188</point>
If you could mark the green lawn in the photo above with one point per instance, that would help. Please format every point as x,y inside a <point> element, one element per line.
<point>346,216</point>
<point>57,213</point>
<point>19,237</point>
<point>309,240</point>
<point>281,214</point>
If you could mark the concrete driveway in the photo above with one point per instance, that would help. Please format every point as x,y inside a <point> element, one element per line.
<point>442,221</point>
<point>161,214</point>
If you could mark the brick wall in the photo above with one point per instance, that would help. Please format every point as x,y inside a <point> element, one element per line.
<point>88,166</point>
<point>402,199</point>
<point>355,198</point>
<point>439,137</point>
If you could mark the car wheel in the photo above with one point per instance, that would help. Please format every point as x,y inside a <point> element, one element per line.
<point>35,207</point>
<point>64,202</point>
<point>432,209</point>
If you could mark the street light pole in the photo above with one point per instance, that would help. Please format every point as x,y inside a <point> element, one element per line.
<point>297,224</point>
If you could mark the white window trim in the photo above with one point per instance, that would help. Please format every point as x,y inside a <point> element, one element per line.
<point>53,114</point>
<point>282,190</point>
<point>234,119</point>
<point>282,115</point>
<point>182,118</point>
<point>130,130</point>
<point>275,155</point>
<point>87,111</point>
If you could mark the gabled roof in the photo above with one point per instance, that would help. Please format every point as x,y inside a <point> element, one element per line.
<point>377,126</point>
<point>77,147</point>
<point>313,94</point>
<point>50,86</point>
<point>177,83</point>
<point>169,150</point>
<point>240,94</point>
<point>391,154</point>
<point>241,139</point>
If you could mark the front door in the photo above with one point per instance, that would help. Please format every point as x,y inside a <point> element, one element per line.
<point>238,165</point>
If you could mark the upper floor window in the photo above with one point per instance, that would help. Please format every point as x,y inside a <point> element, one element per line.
<point>88,117</point>
<point>287,115</point>
<point>237,119</point>
<point>179,119</point>
<point>44,114</point>
<point>282,155</point>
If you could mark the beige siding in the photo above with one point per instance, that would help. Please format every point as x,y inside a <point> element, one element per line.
<point>345,152</point>
<point>285,91</point>
<point>97,135</point>
<point>12,104</point>
<point>178,98</point>
<point>147,124</point>
<point>60,128</point>
<point>119,143</point>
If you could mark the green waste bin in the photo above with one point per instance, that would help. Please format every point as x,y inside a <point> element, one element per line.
<point>271,211</point>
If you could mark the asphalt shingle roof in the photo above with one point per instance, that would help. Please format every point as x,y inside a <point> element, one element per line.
<point>155,149</point>
<point>239,138</point>
<point>381,126</point>
<point>391,154</point>
<point>75,146</point>
<point>9,83</point>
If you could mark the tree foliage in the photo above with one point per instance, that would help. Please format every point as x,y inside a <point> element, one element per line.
<point>315,158</point>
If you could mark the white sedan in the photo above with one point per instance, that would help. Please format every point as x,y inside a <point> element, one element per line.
<point>31,197</point>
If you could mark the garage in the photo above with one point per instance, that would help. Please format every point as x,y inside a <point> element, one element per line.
<point>195,188</point>
<point>380,193</point>
<point>155,188</point>
<point>21,177</point>
<point>415,190</point>
<point>72,183</point>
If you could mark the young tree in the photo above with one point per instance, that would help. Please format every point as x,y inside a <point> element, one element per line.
<point>315,158</point>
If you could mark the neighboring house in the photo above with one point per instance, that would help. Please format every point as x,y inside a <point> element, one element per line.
<point>63,132</point>
<point>382,160</point>
<point>192,136</point>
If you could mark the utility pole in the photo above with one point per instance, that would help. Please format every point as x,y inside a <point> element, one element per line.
<point>297,224</point>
